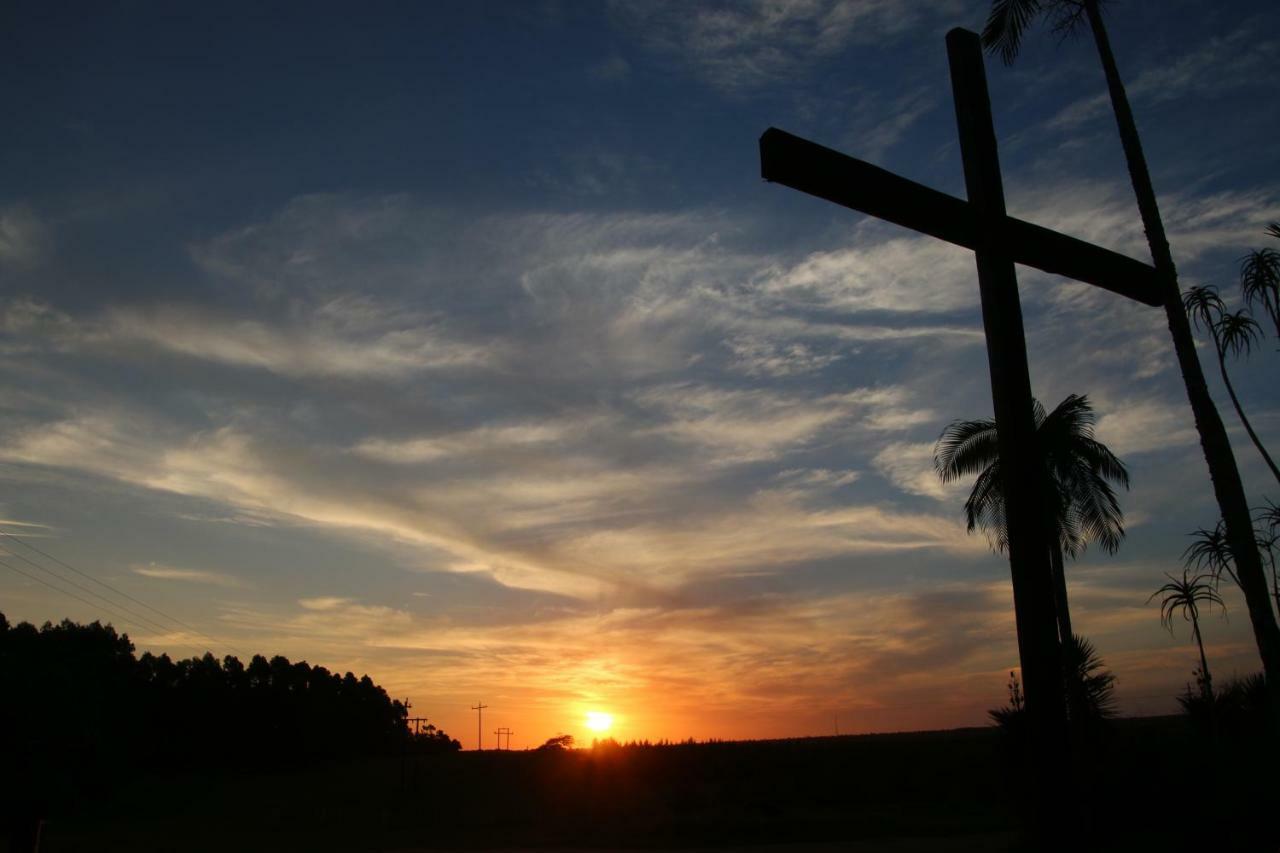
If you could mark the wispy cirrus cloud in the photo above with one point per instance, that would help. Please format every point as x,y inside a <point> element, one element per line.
<point>24,236</point>
<point>198,576</point>
<point>1237,60</point>
<point>739,46</point>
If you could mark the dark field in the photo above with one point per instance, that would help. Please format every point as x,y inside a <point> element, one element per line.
<point>954,790</point>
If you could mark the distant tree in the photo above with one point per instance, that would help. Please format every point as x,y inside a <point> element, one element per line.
<point>1185,595</point>
<point>1232,334</point>
<point>1076,479</point>
<point>557,743</point>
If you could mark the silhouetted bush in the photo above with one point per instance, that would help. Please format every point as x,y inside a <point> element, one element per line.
<point>1089,691</point>
<point>1236,709</point>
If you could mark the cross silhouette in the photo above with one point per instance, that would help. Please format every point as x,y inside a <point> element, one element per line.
<point>998,242</point>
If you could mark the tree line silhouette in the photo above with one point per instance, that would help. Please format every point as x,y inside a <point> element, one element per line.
<point>81,709</point>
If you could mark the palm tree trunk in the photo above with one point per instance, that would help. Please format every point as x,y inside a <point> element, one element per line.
<point>1223,473</point>
<point>1060,594</point>
<point>1235,401</point>
<point>1207,687</point>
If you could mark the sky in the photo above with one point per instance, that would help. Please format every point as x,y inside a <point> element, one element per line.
<point>462,345</point>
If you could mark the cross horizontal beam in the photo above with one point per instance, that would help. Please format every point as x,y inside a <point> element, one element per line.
<point>814,169</point>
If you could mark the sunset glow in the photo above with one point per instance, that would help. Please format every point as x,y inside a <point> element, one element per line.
<point>468,349</point>
<point>598,721</point>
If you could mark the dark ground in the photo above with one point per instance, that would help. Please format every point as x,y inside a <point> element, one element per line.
<point>1151,785</point>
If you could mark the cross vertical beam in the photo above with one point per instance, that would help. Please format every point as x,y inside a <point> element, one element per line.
<point>1020,464</point>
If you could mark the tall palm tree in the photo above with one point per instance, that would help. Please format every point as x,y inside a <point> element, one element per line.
<point>1006,25</point>
<point>1078,473</point>
<point>1187,595</point>
<point>1232,334</point>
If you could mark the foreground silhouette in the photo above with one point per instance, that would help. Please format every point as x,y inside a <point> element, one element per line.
<point>1003,34</point>
<point>79,708</point>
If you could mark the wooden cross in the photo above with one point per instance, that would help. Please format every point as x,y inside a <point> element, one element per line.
<point>998,241</point>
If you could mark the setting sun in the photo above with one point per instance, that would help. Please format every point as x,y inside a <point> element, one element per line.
<point>598,721</point>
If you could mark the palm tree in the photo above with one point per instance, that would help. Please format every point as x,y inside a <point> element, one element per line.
<point>1210,553</point>
<point>1187,595</point>
<point>1006,24</point>
<point>1233,334</point>
<point>1078,473</point>
<point>1268,533</point>
<point>1260,278</point>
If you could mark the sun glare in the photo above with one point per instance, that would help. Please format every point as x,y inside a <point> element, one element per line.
<point>598,721</point>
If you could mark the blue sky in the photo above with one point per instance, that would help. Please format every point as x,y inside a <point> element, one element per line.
<point>463,345</point>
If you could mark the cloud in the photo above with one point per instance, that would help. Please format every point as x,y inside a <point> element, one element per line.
<point>313,347</point>
<point>614,67</point>
<point>739,426</point>
<point>24,237</point>
<point>1219,64</point>
<point>171,573</point>
<point>908,275</point>
<point>1146,426</point>
<point>909,466</point>
<point>738,47</point>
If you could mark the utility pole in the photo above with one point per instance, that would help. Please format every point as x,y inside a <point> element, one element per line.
<point>503,731</point>
<point>417,721</point>
<point>479,709</point>
<point>404,745</point>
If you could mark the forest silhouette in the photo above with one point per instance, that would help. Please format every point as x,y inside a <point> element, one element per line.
<point>80,708</point>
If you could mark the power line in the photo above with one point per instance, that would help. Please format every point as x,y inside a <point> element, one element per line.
<point>118,592</point>
<point>150,623</point>
<point>64,592</point>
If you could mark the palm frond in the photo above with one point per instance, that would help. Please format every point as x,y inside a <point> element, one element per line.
<point>1211,553</point>
<point>1237,333</point>
<point>1185,594</point>
<point>965,448</point>
<point>1081,505</point>
<point>1098,513</point>
<point>1203,305</point>
<point>1069,15</point>
<point>1006,24</point>
<point>985,507</point>
<point>1260,281</point>
<point>1089,687</point>
<point>1101,460</point>
<point>1268,517</point>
